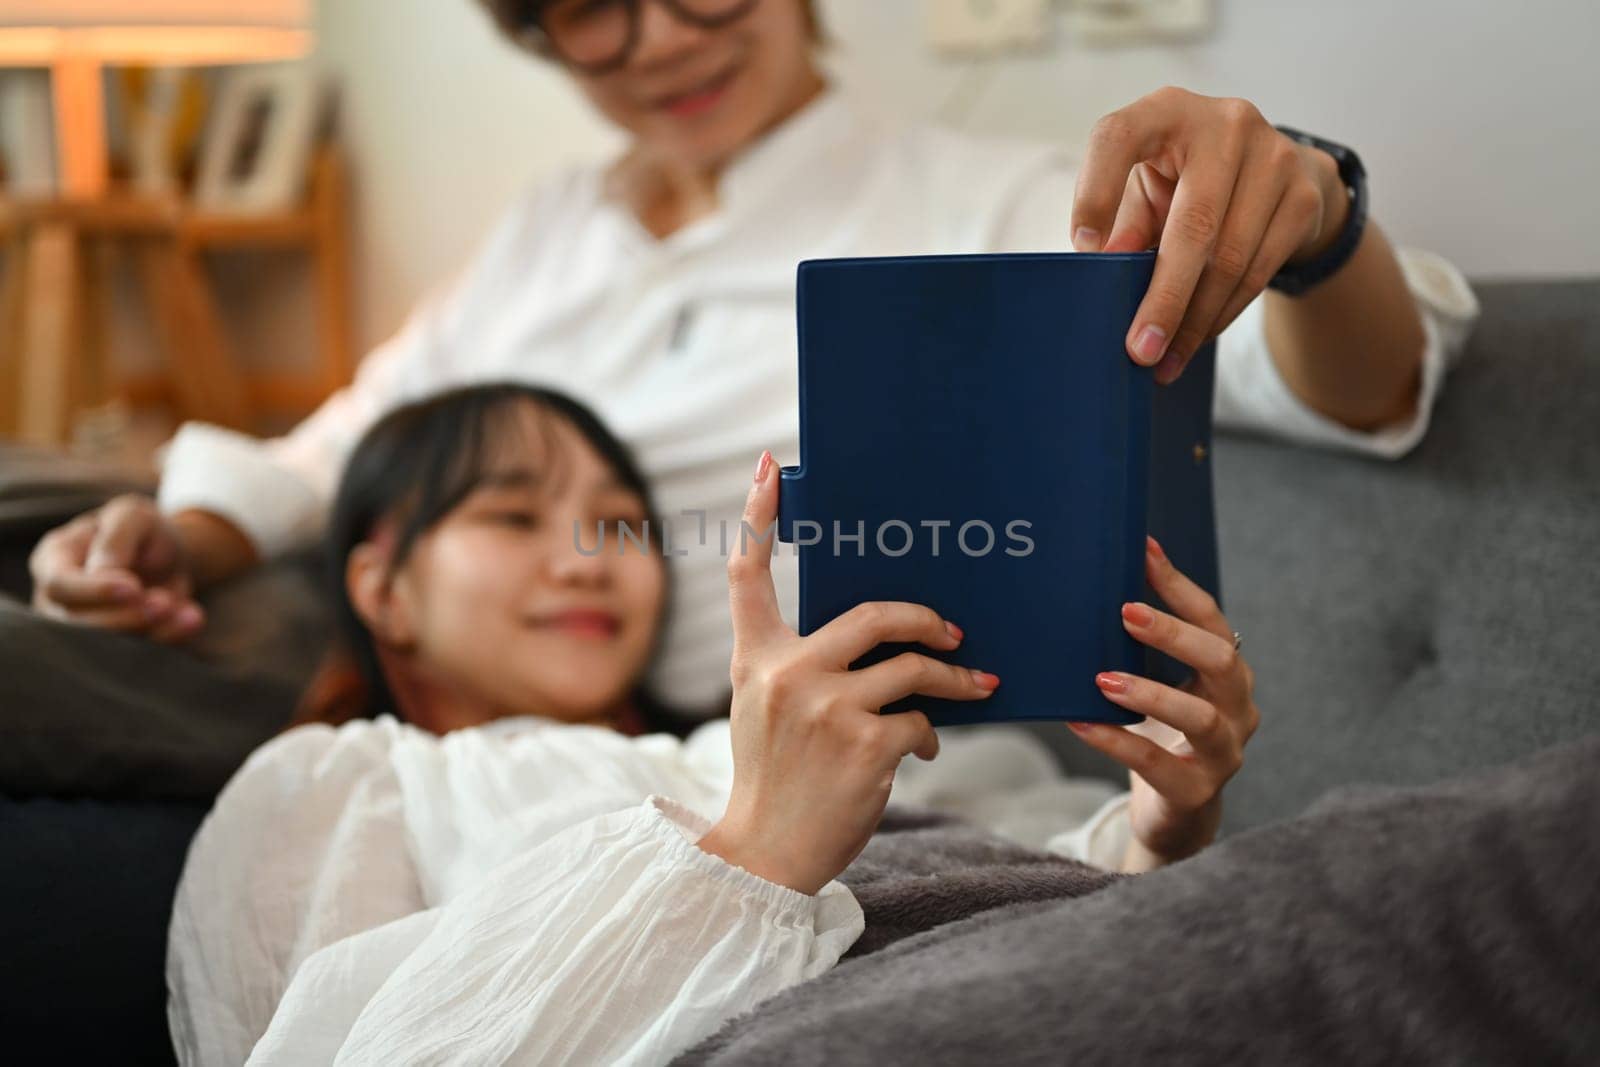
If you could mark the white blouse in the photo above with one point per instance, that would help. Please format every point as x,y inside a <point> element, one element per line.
<point>523,892</point>
<point>686,346</point>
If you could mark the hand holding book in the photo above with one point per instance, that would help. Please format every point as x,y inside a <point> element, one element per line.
<point>813,758</point>
<point>972,440</point>
<point>1192,740</point>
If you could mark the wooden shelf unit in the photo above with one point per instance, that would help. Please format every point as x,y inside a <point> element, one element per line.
<point>53,359</point>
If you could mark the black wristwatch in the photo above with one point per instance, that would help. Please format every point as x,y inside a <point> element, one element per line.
<point>1295,279</point>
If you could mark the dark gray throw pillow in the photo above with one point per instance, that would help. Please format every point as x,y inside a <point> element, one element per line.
<point>89,713</point>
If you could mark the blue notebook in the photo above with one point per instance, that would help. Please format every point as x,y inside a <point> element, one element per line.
<point>974,437</point>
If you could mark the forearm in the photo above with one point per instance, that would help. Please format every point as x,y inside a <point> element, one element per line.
<point>214,548</point>
<point>1351,347</point>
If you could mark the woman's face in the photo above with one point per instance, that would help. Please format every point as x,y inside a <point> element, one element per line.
<point>503,614</point>
<point>699,95</point>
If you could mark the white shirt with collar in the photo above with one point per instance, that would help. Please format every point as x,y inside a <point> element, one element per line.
<point>686,345</point>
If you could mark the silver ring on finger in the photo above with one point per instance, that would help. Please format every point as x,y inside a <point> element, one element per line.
<point>1238,639</point>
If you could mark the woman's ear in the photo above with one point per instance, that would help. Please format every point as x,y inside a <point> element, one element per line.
<point>378,604</point>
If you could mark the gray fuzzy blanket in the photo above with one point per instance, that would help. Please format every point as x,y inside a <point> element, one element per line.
<point>923,869</point>
<point>1454,923</point>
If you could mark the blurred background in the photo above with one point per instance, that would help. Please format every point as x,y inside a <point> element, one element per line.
<point>1475,119</point>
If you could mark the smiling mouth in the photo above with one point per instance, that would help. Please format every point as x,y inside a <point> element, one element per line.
<point>592,625</point>
<point>699,98</point>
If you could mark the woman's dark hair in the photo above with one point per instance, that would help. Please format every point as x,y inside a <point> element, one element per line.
<point>414,466</point>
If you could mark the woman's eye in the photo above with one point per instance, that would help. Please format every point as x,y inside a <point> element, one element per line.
<point>521,520</point>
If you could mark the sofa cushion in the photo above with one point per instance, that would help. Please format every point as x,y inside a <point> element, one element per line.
<point>86,898</point>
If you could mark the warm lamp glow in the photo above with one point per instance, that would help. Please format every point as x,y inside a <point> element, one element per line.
<point>68,14</point>
<point>76,38</point>
<point>181,46</point>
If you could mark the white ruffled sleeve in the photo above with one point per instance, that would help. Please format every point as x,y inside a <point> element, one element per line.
<point>1101,840</point>
<point>617,940</point>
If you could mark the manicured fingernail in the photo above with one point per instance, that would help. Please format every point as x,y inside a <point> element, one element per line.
<point>953,630</point>
<point>1149,344</point>
<point>123,588</point>
<point>761,466</point>
<point>1082,727</point>
<point>156,606</point>
<point>1153,547</point>
<point>1086,239</point>
<point>1111,683</point>
<point>188,615</point>
<point>984,679</point>
<point>1138,615</point>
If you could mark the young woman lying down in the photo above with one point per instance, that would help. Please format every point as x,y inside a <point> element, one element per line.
<point>496,848</point>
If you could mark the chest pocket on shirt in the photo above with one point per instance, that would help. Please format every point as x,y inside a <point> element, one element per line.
<point>682,326</point>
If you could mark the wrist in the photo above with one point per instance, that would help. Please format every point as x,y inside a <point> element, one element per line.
<point>1167,840</point>
<point>212,547</point>
<point>1335,205</point>
<point>1137,859</point>
<point>727,843</point>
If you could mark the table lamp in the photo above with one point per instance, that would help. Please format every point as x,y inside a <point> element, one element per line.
<point>76,39</point>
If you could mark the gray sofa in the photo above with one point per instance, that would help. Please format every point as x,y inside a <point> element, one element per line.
<point>1407,621</point>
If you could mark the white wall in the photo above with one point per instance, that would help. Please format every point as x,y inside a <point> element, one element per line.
<point>1476,119</point>
<point>445,123</point>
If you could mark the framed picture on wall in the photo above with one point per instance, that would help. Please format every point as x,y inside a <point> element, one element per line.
<point>258,145</point>
<point>162,109</point>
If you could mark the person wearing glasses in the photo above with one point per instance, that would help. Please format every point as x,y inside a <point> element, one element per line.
<point>659,287</point>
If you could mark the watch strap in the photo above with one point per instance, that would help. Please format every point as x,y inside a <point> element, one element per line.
<point>1296,278</point>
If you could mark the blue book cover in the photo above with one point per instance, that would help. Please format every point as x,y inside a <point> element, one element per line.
<point>974,437</point>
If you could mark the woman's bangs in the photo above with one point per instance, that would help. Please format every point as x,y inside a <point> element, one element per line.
<point>493,437</point>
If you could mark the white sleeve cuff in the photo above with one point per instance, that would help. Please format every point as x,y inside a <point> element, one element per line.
<point>833,912</point>
<point>618,940</point>
<point>234,475</point>
<point>1252,395</point>
<point>1102,841</point>
<point>791,904</point>
<point>832,919</point>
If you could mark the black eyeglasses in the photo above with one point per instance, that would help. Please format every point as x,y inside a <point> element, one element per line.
<point>597,36</point>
